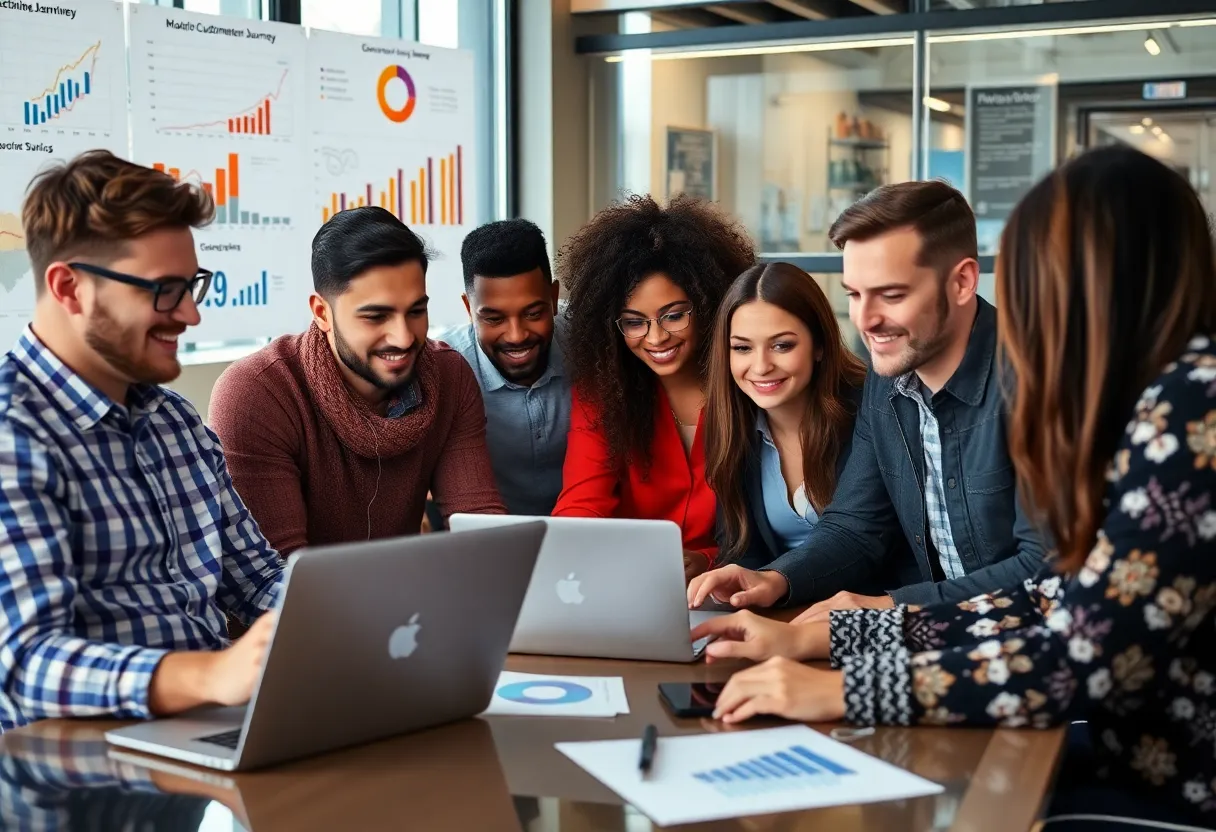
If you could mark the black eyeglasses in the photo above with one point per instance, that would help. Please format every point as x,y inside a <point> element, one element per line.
<point>167,292</point>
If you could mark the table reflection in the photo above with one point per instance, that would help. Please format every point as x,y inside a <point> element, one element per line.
<point>481,775</point>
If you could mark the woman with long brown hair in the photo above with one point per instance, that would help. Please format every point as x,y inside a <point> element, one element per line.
<point>783,391</point>
<point>1106,292</point>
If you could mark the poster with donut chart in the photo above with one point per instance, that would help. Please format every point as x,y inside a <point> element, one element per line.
<point>392,125</point>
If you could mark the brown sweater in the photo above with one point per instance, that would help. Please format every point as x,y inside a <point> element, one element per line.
<point>306,455</point>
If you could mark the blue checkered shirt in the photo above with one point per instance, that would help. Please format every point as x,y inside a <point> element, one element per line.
<point>910,385</point>
<point>121,539</point>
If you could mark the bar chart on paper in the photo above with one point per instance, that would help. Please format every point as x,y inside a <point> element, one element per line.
<point>703,777</point>
<point>796,767</point>
<point>63,73</point>
<point>431,192</point>
<point>224,185</point>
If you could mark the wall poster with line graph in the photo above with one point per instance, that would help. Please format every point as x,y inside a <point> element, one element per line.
<point>63,90</point>
<point>222,105</point>
<point>392,125</point>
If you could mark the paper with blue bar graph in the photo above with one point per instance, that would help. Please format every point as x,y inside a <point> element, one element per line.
<point>734,774</point>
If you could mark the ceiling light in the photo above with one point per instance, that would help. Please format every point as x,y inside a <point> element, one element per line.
<point>1151,46</point>
<point>783,49</point>
<point>1042,33</point>
<point>1211,21</point>
<point>937,104</point>
<point>1157,131</point>
<point>1164,137</point>
<point>1146,121</point>
<point>1136,129</point>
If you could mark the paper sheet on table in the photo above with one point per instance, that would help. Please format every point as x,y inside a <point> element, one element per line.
<point>716,776</point>
<point>530,694</point>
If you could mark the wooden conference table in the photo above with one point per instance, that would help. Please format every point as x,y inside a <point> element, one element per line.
<point>501,773</point>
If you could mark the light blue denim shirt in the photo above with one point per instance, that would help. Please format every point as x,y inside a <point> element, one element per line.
<point>526,427</point>
<point>790,527</point>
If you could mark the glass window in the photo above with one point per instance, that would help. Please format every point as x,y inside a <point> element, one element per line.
<point>1005,106</point>
<point>785,137</point>
<point>355,17</point>
<point>439,22</point>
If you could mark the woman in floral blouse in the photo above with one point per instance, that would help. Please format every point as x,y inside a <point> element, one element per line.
<point>1106,290</point>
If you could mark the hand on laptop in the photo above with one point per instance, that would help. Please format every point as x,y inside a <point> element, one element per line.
<point>745,635</point>
<point>785,688</point>
<point>188,679</point>
<point>738,586</point>
<point>844,601</point>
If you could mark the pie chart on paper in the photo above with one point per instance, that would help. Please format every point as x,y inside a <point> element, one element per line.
<point>545,692</point>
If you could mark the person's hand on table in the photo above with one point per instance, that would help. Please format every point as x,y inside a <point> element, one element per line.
<point>738,586</point>
<point>784,688</point>
<point>745,635</point>
<point>844,601</point>
<point>695,564</point>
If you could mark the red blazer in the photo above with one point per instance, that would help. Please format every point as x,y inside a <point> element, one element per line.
<point>675,489</point>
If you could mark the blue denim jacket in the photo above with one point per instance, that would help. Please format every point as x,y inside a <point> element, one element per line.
<point>882,489</point>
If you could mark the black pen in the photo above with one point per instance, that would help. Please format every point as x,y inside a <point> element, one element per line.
<point>650,743</point>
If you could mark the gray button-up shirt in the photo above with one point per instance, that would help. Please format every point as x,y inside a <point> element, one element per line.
<point>526,427</point>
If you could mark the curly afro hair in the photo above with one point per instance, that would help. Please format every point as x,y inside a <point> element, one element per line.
<point>698,246</point>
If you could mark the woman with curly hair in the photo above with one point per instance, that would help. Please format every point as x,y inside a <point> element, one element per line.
<point>644,283</point>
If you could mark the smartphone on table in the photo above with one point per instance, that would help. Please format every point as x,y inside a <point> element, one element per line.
<point>691,699</point>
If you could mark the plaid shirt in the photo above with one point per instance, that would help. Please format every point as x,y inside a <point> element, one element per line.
<point>910,385</point>
<point>121,539</point>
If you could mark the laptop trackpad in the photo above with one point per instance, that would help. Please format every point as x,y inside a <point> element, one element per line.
<point>696,617</point>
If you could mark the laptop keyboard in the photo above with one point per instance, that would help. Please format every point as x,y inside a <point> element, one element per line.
<point>228,739</point>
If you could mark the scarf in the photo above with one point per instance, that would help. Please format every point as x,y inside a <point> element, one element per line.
<point>358,426</point>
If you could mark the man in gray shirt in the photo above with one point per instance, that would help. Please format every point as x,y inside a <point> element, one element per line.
<point>514,345</point>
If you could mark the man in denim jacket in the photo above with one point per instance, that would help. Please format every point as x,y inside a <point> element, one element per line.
<point>929,455</point>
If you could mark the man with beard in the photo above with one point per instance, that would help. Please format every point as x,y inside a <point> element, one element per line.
<point>339,433</point>
<point>514,345</point>
<point>122,541</point>
<point>929,455</point>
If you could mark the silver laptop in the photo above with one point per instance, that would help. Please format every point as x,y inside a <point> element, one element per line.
<point>372,640</point>
<point>603,588</point>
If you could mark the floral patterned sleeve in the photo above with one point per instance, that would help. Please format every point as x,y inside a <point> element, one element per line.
<point>1116,639</point>
<point>856,632</point>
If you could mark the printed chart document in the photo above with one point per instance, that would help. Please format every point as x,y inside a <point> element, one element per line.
<point>528,694</point>
<point>716,776</point>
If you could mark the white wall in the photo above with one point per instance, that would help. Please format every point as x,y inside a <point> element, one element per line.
<point>195,384</point>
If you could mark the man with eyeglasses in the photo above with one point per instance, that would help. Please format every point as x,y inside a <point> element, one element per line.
<point>122,541</point>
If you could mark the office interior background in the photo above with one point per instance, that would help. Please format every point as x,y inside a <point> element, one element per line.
<point>786,111</point>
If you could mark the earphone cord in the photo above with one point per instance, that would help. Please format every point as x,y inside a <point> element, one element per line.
<point>379,468</point>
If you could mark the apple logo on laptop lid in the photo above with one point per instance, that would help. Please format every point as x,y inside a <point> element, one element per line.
<point>568,590</point>
<point>404,640</point>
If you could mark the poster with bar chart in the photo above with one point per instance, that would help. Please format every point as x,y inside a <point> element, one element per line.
<point>221,107</point>
<point>63,90</point>
<point>63,71</point>
<point>206,77</point>
<point>392,126</point>
<point>707,777</point>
